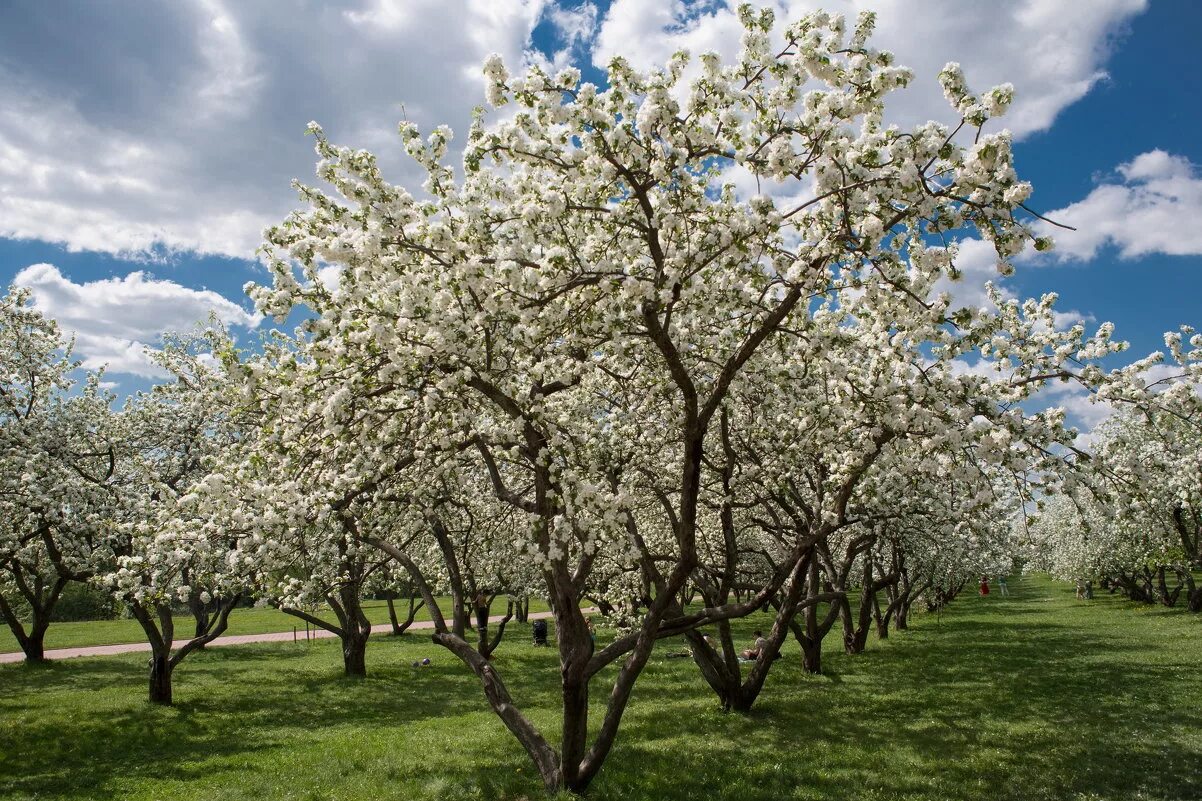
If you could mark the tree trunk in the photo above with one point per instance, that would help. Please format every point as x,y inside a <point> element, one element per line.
<point>399,628</point>
<point>880,618</point>
<point>487,646</point>
<point>392,618</point>
<point>41,600</point>
<point>1168,597</point>
<point>160,679</point>
<point>33,641</point>
<point>354,654</point>
<point>849,628</point>
<point>715,666</point>
<point>859,639</point>
<point>575,650</point>
<point>200,614</point>
<point>811,644</point>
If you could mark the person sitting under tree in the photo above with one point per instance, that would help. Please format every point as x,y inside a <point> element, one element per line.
<point>761,645</point>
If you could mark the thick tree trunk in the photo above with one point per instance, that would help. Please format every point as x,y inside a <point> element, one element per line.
<point>786,615</point>
<point>33,639</point>
<point>575,649</point>
<point>354,654</point>
<point>816,630</point>
<point>34,649</point>
<point>811,656</point>
<point>356,628</point>
<point>160,679</point>
<point>352,629</point>
<point>1168,597</point>
<point>41,600</point>
<point>811,645</point>
<point>715,665</point>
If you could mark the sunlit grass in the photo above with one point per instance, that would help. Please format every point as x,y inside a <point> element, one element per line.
<point>242,621</point>
<point>1038,696</point>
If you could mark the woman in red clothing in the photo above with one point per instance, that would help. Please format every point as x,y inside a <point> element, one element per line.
<point>984,585</point>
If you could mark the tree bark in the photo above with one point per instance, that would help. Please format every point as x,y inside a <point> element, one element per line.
<point>881,618</point>
<point>200,615</point>
<point>160,678</point>
<point>399,628</point>
<point>41,600</point>
<point>354,654</point>
<point>487,646</point>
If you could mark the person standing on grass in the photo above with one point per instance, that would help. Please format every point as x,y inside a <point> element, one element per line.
<point>984,586</point>
<point>481,604</point>
<point>1001,587</point>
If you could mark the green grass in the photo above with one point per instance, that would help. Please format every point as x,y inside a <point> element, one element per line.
<point>1038,696</point>
<point>242,621</point>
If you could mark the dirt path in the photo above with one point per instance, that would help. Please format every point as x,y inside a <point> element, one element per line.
<point>233,639</point>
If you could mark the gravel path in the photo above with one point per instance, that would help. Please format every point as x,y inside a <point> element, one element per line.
<point>233,639</point>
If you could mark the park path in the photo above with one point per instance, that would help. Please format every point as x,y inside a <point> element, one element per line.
<point>230,639</point>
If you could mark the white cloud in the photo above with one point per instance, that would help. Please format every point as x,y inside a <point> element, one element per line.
<point>977,262</point>
<point>126,128</point>
<point>115,319</point>
<point>1082,410</point>
<point>575,25</point>
<point>1052,51</point>
<point>1149,208</point>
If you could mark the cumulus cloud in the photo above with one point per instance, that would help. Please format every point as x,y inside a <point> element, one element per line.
<point>977,262</point>
<point>1140,211</point>
<point>126,127</point>
<point>575,25</point>
<point>1053,52</point>
<point>115,319</point>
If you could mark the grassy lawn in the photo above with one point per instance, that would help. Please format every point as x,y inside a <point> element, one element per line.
<point>1038,696</point>
<point>242,621</point>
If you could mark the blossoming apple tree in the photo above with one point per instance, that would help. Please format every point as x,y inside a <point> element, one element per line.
<point>165,555</point>
<point>565,322</point>
<point>58,461</point>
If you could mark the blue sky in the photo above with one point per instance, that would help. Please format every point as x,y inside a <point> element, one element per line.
<point>143,148</point>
